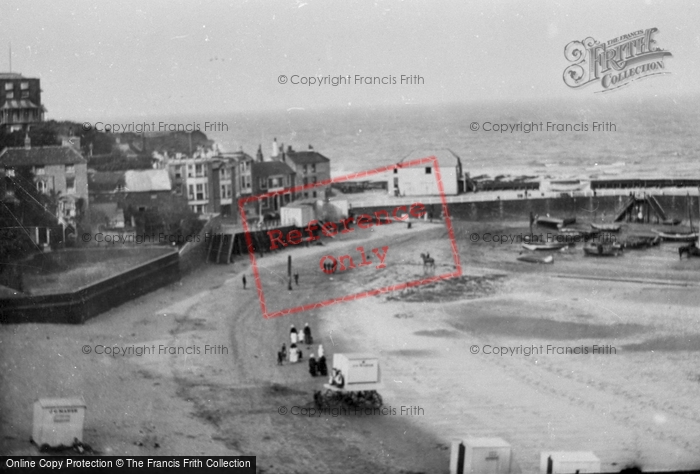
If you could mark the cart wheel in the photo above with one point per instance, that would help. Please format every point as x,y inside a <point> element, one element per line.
<point>375,399</point>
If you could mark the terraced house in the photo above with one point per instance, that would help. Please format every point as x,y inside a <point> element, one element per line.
<point>60,171</point>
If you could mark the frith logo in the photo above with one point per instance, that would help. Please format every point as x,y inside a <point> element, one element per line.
<point>615,63</point>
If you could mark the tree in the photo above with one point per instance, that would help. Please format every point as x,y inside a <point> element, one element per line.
<point>27,209</point>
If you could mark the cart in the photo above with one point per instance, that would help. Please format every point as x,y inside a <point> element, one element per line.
<point>358,385</point>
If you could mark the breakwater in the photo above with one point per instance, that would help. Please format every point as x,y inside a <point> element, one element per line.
<point>517,206</point>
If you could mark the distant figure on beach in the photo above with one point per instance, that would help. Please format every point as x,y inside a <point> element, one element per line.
<point>293,354</point>
<point>296,278</point>
<point>313,367</point>
<point>302,335</point>
<point>321,366</point>
<point>320,350</point>
<point>244,282</point>
<point>293,335</point>
<point>307,334</point>
<point>280,358</point>
<point>337,378</point>
<point>284,350</point>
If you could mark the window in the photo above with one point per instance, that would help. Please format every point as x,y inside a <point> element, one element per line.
<point>313,179</point>
<point>154,196</point>
<point>313,168</point>
<point>39,170</point>
<point>8,86</point>
<point>25,94</point>
<point>314,193</point>
<point>189,170</point>
<point>198,170</point>
<point>10,95</point>
<point>70,184</point>
<point>200,192</point>
<point>199,208</point>
<point>223,190</point>
<point>191,192</point>
<point>428,170</point>
<point>305,169</point>
<point>265,203</point>
<point>142,208</point>
<point>41,186</point>
<point>70,169</point>
<point>263,183</point>
<point>178,171</point>
<point>24,86</point>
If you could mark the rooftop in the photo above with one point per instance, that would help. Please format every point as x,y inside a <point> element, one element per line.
<point>105,181</point>
<point>43,155</point>
<point>306,157</point>
<point>269,168</point>
<point>445,157</point>
<point>147,180</point>
<point>11,75</point>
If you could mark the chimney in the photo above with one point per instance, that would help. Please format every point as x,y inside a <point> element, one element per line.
<point>259,155</point>
<point>289,149</point>
<point>310,147</point>
<point>27,142</point>
<point>275,149</point>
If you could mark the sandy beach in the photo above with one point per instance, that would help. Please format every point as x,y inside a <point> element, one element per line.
<point>637,406</point>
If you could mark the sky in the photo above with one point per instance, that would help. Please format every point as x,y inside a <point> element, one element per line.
<point>131,59</point>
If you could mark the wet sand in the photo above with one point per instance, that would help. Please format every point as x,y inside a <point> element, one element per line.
<point>639,405</point>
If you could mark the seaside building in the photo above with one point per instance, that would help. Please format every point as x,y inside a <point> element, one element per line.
<point>57,170</point>
<point>422,181</point>
<point>270,176</point>
<point>206,180</point>
<point>310,167</point>
<point>20,102</point>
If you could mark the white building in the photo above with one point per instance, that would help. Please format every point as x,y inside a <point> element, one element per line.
<point>422,180</point>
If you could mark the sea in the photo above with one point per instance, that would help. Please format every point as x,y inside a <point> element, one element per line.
<point>590,137</point>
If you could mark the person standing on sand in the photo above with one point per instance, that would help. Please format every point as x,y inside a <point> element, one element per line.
<point>293,335</point>
<point>320,350</point>
<point>321,366</point>
<point>296,278</point>
<point>244,282</point>
<point>307,334</point>
<point>312,366</point>
<point>301,337</point>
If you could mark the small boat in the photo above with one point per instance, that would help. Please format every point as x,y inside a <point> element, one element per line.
<point>602,249</point>
<point>676,236</point>
<point>606,227</point>
<point>685,236</point>
<point>554,223</point>
<point>585,234</point>
<point>536,258</point>
<point>640,241</point>
<point>671,222</point>
<point>546,246</point>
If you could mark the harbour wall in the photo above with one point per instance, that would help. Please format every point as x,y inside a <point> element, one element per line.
<point>586,208</point>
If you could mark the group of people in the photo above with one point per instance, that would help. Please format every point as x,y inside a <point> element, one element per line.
<point>301,337</point>
<point>317,366</point>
